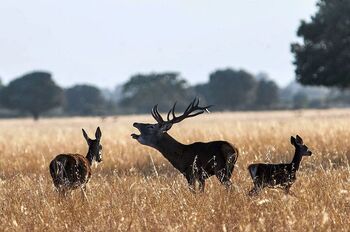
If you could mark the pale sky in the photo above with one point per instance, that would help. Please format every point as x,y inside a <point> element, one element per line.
<point>104,42</point>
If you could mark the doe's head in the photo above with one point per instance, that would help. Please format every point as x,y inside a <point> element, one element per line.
<point>300,147</point>
<point>150,134</point>
<point>95,147</point>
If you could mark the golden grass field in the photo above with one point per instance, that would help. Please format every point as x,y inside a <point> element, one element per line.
<point>136,189</point>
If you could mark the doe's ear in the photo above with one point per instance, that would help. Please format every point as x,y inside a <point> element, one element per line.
<point>166,127</point>
<point>292,140</point>
<point>299,140</point>
<point>98,133</point>
<point>86,136</point>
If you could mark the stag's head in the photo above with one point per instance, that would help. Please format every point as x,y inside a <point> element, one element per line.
<point>300,147</point>
<point>150,134</point>
<point>95,148</point>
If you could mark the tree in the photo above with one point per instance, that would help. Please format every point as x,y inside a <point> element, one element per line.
<point>84,100</point>
<point>34,93</point>
<point>300,100</point>
<point>324,56</point>
<point>267,95</point>
<point>229,89</point>
<point>143,91</point>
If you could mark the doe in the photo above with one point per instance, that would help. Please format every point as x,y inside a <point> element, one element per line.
<point>284,175</point>
<point>71,171</point>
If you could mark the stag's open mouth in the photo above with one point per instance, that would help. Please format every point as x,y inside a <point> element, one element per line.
<point>135,136</point>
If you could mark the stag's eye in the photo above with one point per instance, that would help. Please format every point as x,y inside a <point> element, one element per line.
<point>150,127</point>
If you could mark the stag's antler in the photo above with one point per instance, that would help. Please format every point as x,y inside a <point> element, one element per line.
<point>156,115</point>
<point>194,106</point>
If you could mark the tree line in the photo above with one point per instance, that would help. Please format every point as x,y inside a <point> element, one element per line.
<point>36,93</point>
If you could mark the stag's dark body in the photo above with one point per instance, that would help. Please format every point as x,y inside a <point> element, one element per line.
<point>196,161</point>
<point>284,175</point>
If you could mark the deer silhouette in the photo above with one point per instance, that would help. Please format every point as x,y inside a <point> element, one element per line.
<point>283,175</point>
<point>196,161</point>
<point>71,171</point>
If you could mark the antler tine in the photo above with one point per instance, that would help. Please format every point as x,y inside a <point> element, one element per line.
<point>153,113</point>
<point>193,106</point>
<point>171,111</point>
<point>159,116</point>
<point>156,115</point>
<point>190,106</point>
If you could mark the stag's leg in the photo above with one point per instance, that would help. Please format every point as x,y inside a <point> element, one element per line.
<point>230,164</point>
<point>201,182</point>
<point>191,182</point>
<point>230,155</point>
<point>224,179</point>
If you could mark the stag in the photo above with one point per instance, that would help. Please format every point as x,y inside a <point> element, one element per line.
<point>196,161</point>
<point>278,175</point>
<point>71,171</point>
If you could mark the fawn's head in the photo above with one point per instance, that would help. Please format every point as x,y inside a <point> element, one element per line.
<point>95,148</point>
<point>150,134</point>
<point>300,147</point>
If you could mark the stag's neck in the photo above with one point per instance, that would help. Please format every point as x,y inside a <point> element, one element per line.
<point>171,150</point>
<point>296,161</point>
<point>89,157</point>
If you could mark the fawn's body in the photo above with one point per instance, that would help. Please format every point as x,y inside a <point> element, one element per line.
<point>284,175</point>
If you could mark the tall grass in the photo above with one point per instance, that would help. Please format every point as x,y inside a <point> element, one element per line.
<point>135,188</point>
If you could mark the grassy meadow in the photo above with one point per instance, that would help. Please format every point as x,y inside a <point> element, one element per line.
<point>136,189</point>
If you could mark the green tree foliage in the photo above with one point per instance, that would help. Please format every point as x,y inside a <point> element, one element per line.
<point>267,96</point>
<point>229,89</point>
<point>34,93</point>
<point>84,100</point>
<point>324,56</point>
<point>142,92</point>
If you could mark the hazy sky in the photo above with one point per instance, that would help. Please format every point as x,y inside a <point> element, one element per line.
<point>104,42</point>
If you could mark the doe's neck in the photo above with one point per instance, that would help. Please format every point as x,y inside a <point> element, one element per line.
<point>296,160</point>
<point>89,157</point>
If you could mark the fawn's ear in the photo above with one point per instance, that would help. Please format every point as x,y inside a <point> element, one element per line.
<point>299,140</point>
<point>292,140</point>
<point>86,136</point>
<point>98,133</point>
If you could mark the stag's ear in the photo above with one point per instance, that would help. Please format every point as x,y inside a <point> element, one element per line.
<point>86,137</point>
<point>299,140</point>
<point>165,127</point>
<point>98,133</point>
<point>292,140</point>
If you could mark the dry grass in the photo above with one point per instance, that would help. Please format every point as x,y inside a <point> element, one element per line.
<point>128,192</point>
